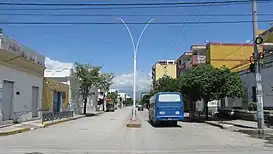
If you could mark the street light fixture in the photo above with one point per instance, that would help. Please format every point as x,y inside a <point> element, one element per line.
<point>135,48</point>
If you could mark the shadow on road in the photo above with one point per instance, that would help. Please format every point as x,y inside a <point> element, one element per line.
<point>92,114</point>
<point>255,134</point>
<point>161,125</point>
<point>189,120</point>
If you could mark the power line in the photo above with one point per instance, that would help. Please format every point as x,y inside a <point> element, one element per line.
<point>112,8</point>
<point>238,48</point>
<point>131,15</point>
<point>127,4</point>
<point>134,23</point>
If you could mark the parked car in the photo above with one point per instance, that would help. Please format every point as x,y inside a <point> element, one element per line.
<point>110,107</point>
<point>140,108</point>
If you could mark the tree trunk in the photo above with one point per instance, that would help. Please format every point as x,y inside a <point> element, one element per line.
<point>85,101</point>
<point>206,109</point>
<point>104,97</point>
<point>85,105</point>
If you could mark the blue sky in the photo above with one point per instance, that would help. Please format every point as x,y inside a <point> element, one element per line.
<point>109,45</point>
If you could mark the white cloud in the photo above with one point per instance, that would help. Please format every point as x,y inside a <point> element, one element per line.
<point>125,81</point>
<point>52,64</point>
<point>56,65</point>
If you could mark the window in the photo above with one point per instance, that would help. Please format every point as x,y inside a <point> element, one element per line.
<point>169,98</point>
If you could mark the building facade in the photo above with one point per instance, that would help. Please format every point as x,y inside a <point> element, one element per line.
<point>229,55</point>
<point>21,81</point>
<point>198,55</point>
<point>248,78</point>
<point>55,96</point>
<point>64,75</point>
<point>162,68</point>
<point>183,63</point>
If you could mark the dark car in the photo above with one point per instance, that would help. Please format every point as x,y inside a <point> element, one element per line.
<point>110,107</point>
<point>140,108</point>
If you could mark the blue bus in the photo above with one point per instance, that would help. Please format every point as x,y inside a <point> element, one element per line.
<point>167,107</point>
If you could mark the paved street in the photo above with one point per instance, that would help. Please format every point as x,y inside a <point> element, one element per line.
<point>107,133</point>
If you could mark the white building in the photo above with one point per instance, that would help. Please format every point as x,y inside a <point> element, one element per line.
<point>64,74</point>
<point>21,81</point>
<point>124,96</point>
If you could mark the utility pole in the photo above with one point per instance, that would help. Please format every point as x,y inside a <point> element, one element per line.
<point>259,90</point>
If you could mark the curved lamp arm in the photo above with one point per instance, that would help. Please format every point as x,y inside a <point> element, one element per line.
<point>143,30</point>
<point>131,37</point>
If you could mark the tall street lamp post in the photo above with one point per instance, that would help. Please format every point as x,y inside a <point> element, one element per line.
<point>135,53</point>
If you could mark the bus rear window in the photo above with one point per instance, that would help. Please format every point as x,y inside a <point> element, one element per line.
<point>169,98</point>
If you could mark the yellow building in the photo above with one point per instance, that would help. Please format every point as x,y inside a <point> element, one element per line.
<point>230,55</point>
<point>55,95</point>
<point>163,67</point>
<point>237,56</point>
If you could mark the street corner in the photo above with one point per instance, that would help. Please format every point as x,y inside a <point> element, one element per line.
<point>14,131</point>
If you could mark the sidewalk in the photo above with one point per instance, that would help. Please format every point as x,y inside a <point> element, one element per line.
<point>235,125</point>
<point>36,124</point>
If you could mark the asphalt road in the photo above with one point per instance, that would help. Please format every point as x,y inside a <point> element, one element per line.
<point>107,133</point>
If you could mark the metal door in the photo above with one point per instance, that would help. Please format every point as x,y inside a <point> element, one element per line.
<point>55,102</point>
<point>34,108</point>
<point>7,100</point>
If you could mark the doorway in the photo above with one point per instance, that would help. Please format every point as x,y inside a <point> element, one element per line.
<point>7,100</point>
<point>34,108</point>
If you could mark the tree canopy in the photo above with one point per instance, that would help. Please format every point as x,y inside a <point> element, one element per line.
<point>166,83</point>
<point>113,96</point>
<point>208,83</point>
<point>89,76</point>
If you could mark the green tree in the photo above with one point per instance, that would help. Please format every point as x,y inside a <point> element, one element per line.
<point>89,76</point>
<point>129,101</point>
<point>166,84</point>
<point>106,80</point>
<point>209,83</point>
<point>146,99</point>
<point>113,96</point>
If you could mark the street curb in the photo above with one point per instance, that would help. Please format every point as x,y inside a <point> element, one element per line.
<point>209,123</point>
<point>133,124</point>
<point>214,124</point>
<point>15,131</point>
<point>47,124</point>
